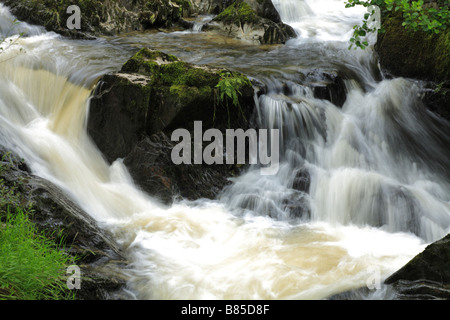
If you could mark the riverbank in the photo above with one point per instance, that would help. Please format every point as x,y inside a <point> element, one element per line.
<point>417,55</point>
<point>68,235</point>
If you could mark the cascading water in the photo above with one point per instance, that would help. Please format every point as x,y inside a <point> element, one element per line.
<point>376,169</point>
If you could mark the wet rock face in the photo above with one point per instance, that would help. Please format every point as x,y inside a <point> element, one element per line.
<point>134,112</point>
<point>151,167</point>
<point>437,98</point>
<point>327,85</point>
<point>416,55</point>
<point>127,98</point>
<point>98,17</point>
<point>426,276</point>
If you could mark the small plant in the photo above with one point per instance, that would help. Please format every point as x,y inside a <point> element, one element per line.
<point>31,266</point>
<point>6,42</point>
<point>228,89</point>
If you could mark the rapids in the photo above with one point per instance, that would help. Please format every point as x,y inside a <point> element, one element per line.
<point>378,166</point>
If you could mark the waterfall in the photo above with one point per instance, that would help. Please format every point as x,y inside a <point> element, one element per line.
<point>360,189</point>
<point>200,22</point>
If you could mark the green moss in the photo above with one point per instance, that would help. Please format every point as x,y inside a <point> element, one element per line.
<point>168,70</point>
<point>183,93</point>
<point>238,13</point>
<point>181,73</point>
<point>413,54</point>
<point>172,73</point>
<point>199,78</point>
<point>442,54</point>
<point>172,58</point>
<point>145,62</point>
<point>178,84</point>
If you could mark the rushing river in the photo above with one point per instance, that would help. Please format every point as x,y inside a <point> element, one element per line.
<point>378,166</point>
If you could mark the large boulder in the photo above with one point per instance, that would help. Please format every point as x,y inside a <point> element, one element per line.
<point>133,113</point>
<point>251,21</point>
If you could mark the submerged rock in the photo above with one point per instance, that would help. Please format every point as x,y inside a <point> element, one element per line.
<point>134,111</point>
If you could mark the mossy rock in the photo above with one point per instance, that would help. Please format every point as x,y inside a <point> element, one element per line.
<point>118,112</point>
<point>411,54</point>
<point>238,13</point>
<point>98,17</point>
<point>134,112</point>
<point>147,61</point>
<point>154,92</point>
<point>251,21</point>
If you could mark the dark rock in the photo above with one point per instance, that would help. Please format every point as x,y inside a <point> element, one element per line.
<point>98,256</point>
<point>265,9</point>
<point>437,98</point>
<point>155,92</point>
<point>134,111</point>
<point>327,85</point>
<point>417,55</point>
<point>428,273</point>
<point>302,180</point>
<point>151,167</point>
<point>118,112</point>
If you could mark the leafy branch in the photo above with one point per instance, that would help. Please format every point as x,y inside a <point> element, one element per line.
<point>431,18</point>
<point>6,43</point>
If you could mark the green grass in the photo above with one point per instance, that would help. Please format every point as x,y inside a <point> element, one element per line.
<point>32,265</point>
